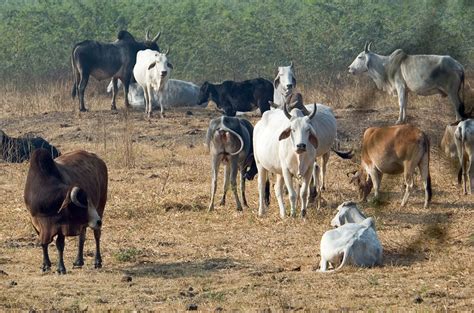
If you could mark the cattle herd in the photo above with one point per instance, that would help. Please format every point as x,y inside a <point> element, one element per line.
<point>291,143</point>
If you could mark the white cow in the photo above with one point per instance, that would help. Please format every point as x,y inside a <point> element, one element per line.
<point>464,139</point>
<point>175,93</point>
<point>151,72</point>
<point>283,85</point>
<point>347,212</point>
<point>285,144</point>
<point>352,243</point>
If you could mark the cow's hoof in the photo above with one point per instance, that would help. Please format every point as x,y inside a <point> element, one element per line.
<point>303,214</point>
<point>83,110</point>
<point>98,264</point>
<point>222,203</point>
<point>78,263</point>
<point>61,271</point>
<point>293,214</point>
<point>239,209</point>
<point>113,108</point>
<point>46,268</point>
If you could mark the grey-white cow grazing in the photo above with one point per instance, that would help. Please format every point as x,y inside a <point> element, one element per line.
<point>347,212</point>
<point>152,72</point>
<point>352,243</point>
<point>423,74</point>
<point>229,140</point>
<point>464,139</point>
<point>175,93</point>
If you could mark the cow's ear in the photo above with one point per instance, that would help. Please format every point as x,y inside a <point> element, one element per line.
<point>170,65</point>
<point>314,140</point>
<point>276,82</point>
<point>293,81</point>
<point>285,134</point>
<point>152,65</point>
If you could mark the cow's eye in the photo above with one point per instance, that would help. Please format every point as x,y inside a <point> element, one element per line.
<point>361,56</point>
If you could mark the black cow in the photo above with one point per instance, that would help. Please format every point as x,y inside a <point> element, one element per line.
<point>17,150</point>
<point>231,96</point>
<point>106,60</point>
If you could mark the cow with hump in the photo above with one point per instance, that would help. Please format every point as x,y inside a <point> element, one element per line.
<point>393,150</point>
<point>65,196</point>
<point>424,75</point>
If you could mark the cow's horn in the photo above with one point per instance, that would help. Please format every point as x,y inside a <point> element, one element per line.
<point>369,46</point>
<point>167,51</point>
<point>365,46</point>
<point>285,110</point>
<point>291,63</point>
<point>240,139</point>
<point>74,199</point>
<point>156,37</point>
<point>313,113</point>
<point>147,35</point>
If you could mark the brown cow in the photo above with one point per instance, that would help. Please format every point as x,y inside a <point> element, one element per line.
<point>393,150</point>
<point>64,196</point>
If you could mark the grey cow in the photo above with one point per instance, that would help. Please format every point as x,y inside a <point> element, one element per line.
<point>229,140</point>
<point>423,74</point>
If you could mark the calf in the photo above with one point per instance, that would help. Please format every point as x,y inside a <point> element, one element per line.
<point>231,96</point>
<point>64,196</point>
<point>229,140</point>
<point>353,243</point>
<point>393,150</point>
<point>17,150</point>
<point>347,212</point>
<point>464,140</point>
<point>152,72</point>
<point>294,140</point>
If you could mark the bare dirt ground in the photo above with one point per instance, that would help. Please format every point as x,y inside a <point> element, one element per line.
<point>163,251</point>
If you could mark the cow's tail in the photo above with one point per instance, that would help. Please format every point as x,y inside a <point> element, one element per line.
<point>74,75</point>
<point>426,164</point>
<point>344,155</point>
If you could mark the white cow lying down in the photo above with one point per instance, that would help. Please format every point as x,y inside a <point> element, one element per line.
<point>176,93</point>
<point>353,243</point>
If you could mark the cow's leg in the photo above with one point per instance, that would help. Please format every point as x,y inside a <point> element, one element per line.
<point>304,192</point>
<point>114,93</point>
<point>279,194</point>
<point>60,247</point>
<point>98,257</point>
<point>376,177</point>
<point>470,173</point>
<point>160,99</point>
<point>291,191</point>
<point>46,261</point>
<point>150,101</point>
<point>81,90</point>
<point>233,181</point>
<point>145,97</point>
<point>324,165</point>
<point>214,171</point>
<point>323,265</point>
<point>262,179</point>
<point>227,171</point>
<point>80,249</point>
<point>126,85</point>
<point>242,187</point>
<point>402,102</point>
<point>459,108</point>
<point>408,176</point>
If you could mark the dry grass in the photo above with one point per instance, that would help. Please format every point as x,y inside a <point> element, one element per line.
<point>157,231</point>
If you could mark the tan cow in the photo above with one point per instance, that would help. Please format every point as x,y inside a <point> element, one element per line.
<point>393,150</point>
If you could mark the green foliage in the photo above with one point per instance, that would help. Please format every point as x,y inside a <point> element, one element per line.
<point>229,39</point>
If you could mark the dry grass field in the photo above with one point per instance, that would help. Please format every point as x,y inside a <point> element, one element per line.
<point>163,251</point>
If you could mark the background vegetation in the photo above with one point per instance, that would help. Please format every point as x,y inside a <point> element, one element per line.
<point>217,40</point>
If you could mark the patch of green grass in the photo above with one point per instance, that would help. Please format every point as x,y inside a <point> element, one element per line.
<point>215,295</point>
<point>127,255</point>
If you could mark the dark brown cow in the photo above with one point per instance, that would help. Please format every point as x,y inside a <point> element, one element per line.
<point>393,150</point>
<point>64,196</point>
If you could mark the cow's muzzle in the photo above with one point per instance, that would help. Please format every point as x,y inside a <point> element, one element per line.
<point>164,73</point>
<point>300,148</point>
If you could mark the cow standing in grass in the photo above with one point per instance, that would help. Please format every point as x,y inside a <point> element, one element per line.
<point>423,74</point>
<point>464,140</point>
<point>393,150</point>
<point>107,60</point>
